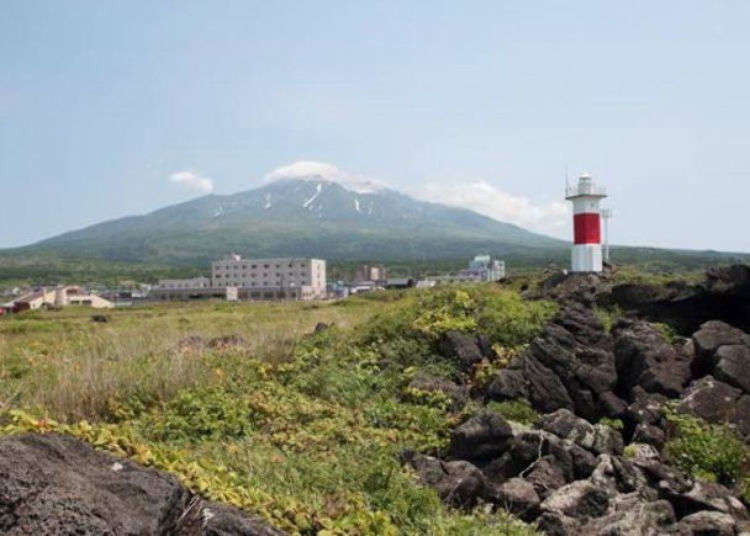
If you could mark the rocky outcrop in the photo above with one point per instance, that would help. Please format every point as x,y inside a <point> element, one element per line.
<point>569,477</point>
<point>484,436</point>
<point>722,364</point>
<point>570,365</point>
<point>724,295</point>
<point>570,473</point>
<point>644,357</point>
<point>458,483</point>
<point>54,484</point>
<point>466,350</point>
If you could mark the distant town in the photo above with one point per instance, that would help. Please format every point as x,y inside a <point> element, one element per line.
<point>234,278</point>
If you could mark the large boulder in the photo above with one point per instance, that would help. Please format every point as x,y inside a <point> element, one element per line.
<point>484,436</point>
<point>519,497</point>
<point>733,366</point>
<point>579,499</point>
<point>458,483</point>
<point>630,515</point>
<point>706,523</point>
<point>709,338</point>
<point>598,438</point>
<point>570,460</point>
<point>711,400</point>
<point>463,348</point>
<point>644,357</point>
<point>54,484</point>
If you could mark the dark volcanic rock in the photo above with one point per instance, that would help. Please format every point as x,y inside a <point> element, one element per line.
<point>650,435</point>
<point>570,365</point>
<point>708,496</point>
<point>545,475</point>
<point>597,438</point>
<point>733,366</point>
<point>483,436</point>
<point>509,384</point>
<point>53,484</point>
<point>458,483</point>
<point>725,295</point>
<point>709,338</point>
<point>578,499</point>
<point>461,347</point>
<point>706,524</point>
<point>644,357</point>
<point>630,515</point>
<point>546,391</point>
<point>711,400</point>
<point>519,497</point>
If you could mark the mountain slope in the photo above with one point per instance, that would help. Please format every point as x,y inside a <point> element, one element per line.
<point>305,217</point>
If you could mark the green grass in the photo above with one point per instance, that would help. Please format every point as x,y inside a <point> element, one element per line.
<point>305,430</point>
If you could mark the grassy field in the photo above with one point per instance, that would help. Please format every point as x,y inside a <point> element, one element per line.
<point>304,429</point>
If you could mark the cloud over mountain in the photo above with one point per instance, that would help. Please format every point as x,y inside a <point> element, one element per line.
<point>310,170</point>
<point>482,197</point>
<point>193,181</point>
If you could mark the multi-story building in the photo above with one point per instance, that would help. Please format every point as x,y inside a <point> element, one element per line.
<point>192,283</point>
<point>371,272</point>
<point>264,276</point>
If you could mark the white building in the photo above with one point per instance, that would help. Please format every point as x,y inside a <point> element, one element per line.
<point>307,274</point>
<point>195,282</point>
<point>482,268</point>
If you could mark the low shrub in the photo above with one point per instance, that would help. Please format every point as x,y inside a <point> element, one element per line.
<point>519,411</point>
<point>708,451</point>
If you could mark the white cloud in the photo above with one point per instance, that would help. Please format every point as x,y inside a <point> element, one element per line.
<point>551,218</point>
<point>193,181</point>
<point>320,171</point>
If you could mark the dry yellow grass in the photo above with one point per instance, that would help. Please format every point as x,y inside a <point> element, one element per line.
<point>74,368</point>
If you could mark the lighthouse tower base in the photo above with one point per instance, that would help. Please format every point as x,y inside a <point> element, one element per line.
<point>587,258</point>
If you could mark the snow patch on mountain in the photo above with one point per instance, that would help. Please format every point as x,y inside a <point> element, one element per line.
<point>356,204</point>
<point>268,202</point>
<point>318,189</point>
<point>323,172</point>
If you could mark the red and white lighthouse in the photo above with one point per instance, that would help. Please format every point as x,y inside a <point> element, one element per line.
<point>587,242</point>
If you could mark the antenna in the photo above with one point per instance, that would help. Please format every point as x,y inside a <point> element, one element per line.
<point>567,182</point>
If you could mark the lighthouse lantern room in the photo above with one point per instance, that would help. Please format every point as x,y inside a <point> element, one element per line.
<point>587,242</point>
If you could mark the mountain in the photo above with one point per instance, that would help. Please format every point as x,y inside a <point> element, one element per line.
<point>301,217</point>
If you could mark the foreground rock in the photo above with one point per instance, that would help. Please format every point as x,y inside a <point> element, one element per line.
<point>570,477</point>
<point>54,484</point>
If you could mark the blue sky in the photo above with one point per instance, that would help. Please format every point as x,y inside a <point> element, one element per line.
<point>482,104</point>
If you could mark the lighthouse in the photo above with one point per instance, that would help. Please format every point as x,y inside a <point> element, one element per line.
<point>587,227</point>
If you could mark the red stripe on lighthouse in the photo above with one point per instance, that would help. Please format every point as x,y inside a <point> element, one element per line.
<point>587,228</point>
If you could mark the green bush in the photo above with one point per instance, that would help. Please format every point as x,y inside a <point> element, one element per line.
<point>516,410</point>
<point>708,451</point>
<point>407,334</point>
<point>195,415</point>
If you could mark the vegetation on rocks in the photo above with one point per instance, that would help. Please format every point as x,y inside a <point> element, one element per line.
<point>711,452</point>
<point>306,430</point>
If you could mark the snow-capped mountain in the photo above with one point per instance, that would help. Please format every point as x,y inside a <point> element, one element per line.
<point>313,215</point>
